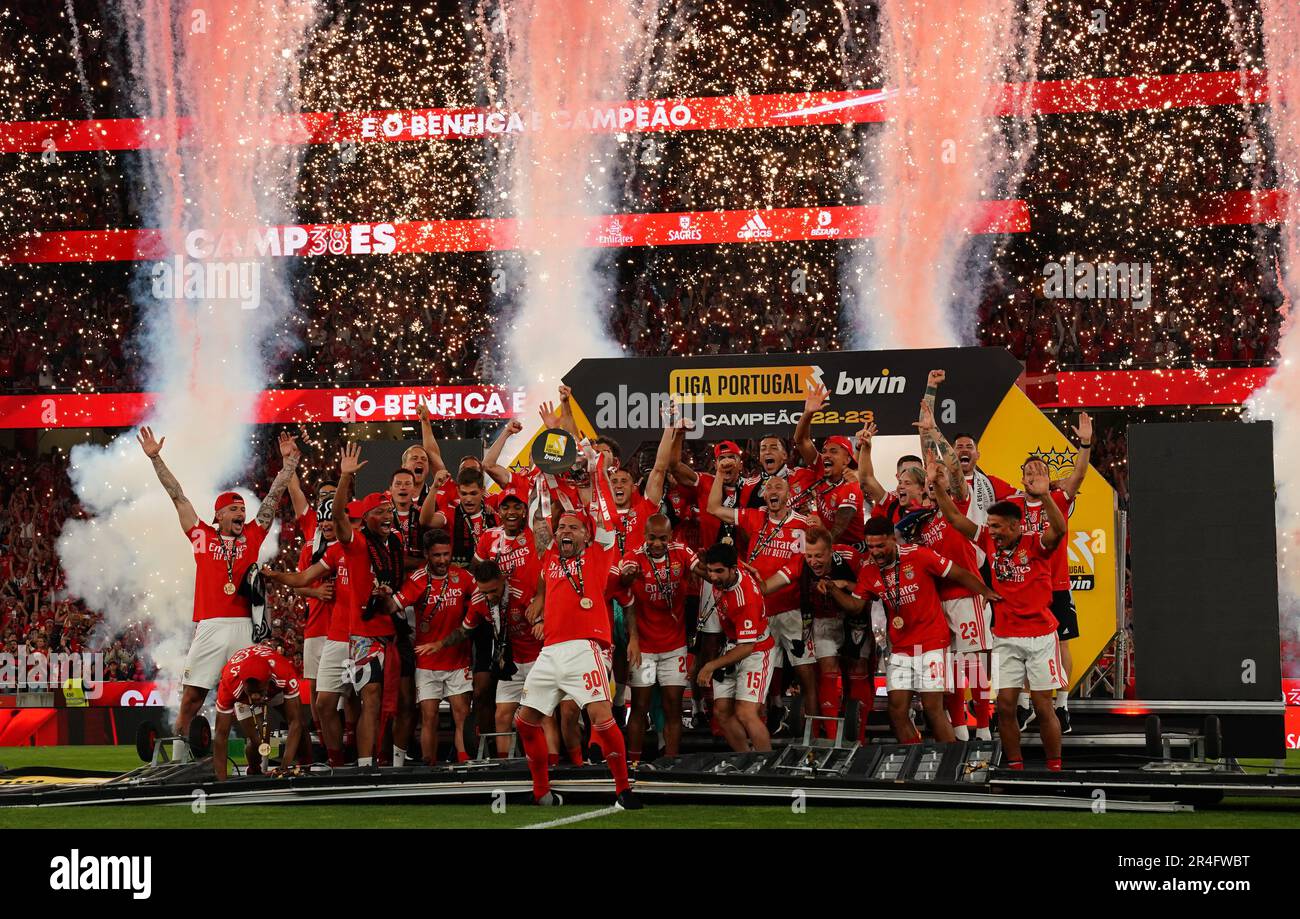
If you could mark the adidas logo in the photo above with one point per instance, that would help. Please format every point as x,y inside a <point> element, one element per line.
<point>754,228</point>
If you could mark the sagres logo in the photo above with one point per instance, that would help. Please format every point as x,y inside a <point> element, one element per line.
<point>686,231</point>
<point>1083,551</point>
<point>744,384</point>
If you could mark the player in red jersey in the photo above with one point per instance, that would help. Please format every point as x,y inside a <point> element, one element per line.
<point>406,515</point>
<point>773,460</point>
<point>501,604</point>
<point>576,580</point>
<point>844,649</point>
<point>907,580</point>
<point>774,538</point>
<point>224,550</point>
<point>440,593</point>
<point>1026,650</point>
<point>823,489</point>
<point>984,489</point>
<point>740,675</point>
<point>659,573</point>
<point>369,564</point>
<point>320,604</point>
<point>466,520</point>
<point>727,468</point>
<point>1063,492</point>
<point>257,676</point>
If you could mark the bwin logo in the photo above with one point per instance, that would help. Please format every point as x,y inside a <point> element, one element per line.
<point>884,383</point>
<point>103,872</point>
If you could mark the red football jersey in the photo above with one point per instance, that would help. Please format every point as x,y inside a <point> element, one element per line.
<point>909,590</point>
<point>1022,576</point>
<point>741,612</point>
<point>812,493</point>
<point>318,611</point>
<point>220,561</point>
<point>941,536</point>
<point>710,526</point>
<point>353,585</point>
<point>846,564</point>
<point>659,593</point>
<point>1035,521</point>
<point>595,571</point>
<point>440,605</point>
<point>524,648</point>
<point>234,675</point>
<point>631,524</point>
<point>772,547</point>
<point>892,509</point>
<point>516,556</point>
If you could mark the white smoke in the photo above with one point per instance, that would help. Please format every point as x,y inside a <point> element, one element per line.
<point>555,177</point>
<point>1279,401</point>
<point>228,72</point>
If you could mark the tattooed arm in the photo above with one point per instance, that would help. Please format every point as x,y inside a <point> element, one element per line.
<point>289,453</point>
<point>153,449</point>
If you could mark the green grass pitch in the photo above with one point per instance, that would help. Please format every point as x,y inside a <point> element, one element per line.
<point>1234,813</point>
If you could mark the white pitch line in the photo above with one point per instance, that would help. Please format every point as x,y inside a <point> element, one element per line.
<point>575,818</point>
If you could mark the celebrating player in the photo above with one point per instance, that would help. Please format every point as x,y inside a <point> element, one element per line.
<point>223,554</point>
<point>577,579</point>
<point>257,677</point>
<point>1026,649</point>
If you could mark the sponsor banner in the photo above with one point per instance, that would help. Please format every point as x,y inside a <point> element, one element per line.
<point>737,396</point>
<point>127,694</point>
<point>489,234</point>
<point>275,406</point>
<point>710,113</point>
<point>1183,386</point>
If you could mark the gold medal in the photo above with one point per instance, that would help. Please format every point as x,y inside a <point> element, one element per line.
<point>728,540</point>
<point>264,749</point>
<point>586,603</point>
<point>898,622</point>
<point>229,589</point>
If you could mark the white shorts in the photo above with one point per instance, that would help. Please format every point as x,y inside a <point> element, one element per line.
<point>331,672</point>
<point>926,672</point>
<point>787,628</point>
<point>749,679</point>
<point>433,685</point>
<point>667,668</point>
<point>311,651</point>
<point>1035,660</point>
<point>243,711</point>
<point>970,619</point>
<point>510,691</point>
<point>576,669</point>
<point>215,642</point>
<point>828,637</point>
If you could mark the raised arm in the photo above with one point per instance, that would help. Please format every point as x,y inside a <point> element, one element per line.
<point>567,421</point>
<point>871,487</point>
<point>290,454</point>
<point>297,497</point>
<point>350,463</point>
<point>1056,523</point>
<point>654,485</point>
<point>492,458</point>
<point>1083,433</point>
<point>935,445</point>
<point>715,505</point>
<point>153,449</point>
<point>297,579</point>
<point>937,475</point>
<point>427,440</point>
<point>813,401</point>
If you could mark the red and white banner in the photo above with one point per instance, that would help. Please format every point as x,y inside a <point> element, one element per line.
<point>709,113</point>
<point>683,228</point>
<point>126,694</point>
<point>275,406</point>
<point>1140,388</point>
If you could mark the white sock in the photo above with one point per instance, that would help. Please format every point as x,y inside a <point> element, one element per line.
<point>364,761</point>
<point>1024,699</point>
<point>1063,699</point>
<point>983,734</point>
<point>963,733</point>
<point>399,756</point>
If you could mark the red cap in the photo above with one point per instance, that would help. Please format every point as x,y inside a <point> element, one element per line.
<point>225,499</point>
<point>727,446</point>
<point>367,504</point>
<point>584,517</point>
<point>839,440</point>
